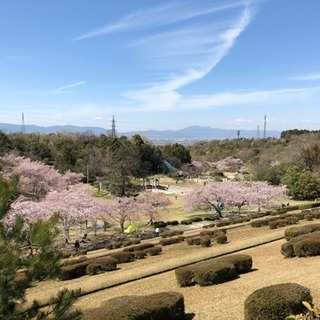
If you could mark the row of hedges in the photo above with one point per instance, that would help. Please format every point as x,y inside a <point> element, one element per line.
<point>214,271</point>
<point>293,232</point>
<point>102,264</point>
<point>286,219</point>
<point>75,268</point>
<point>158,306</point>
<point>302,241</point>
<point>168,241</point>
<point>172,233</point>
<point>120,244</point>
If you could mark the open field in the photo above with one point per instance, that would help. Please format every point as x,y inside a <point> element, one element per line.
<point>223,301</point>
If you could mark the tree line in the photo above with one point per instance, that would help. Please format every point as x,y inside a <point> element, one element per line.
<point>115,159</point>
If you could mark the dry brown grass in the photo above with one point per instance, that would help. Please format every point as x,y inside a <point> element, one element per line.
<point>223,301</point>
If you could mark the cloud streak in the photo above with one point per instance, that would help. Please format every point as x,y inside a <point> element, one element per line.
<point>72,85</point>
<point>307,77</point>
<point>158,16</point>
<point>214,46</point>
<point>227,99</point>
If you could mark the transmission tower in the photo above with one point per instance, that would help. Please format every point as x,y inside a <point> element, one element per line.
<point>265,127</point>
<point>113,128</point>
<point>258,132</point>
<point>23,128</point>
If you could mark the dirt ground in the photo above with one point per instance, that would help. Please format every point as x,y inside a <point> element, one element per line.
<point>223,301</point>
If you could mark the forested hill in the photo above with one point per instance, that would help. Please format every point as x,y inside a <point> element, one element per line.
<point>294,158</point>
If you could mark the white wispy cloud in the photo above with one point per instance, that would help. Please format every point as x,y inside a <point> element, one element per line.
<point>72,85</point>
<point>307,77</point>
<point>252,98</point>
<point>158,16</point>
<point>207,48</point>
<point>176,102</point>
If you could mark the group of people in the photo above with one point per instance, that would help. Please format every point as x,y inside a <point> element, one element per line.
<point>83,240</point>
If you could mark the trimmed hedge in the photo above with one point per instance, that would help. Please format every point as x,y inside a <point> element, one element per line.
<point>168,241</point>
<point>154,251</point>
<point>205,241</point>
<point>172,233</point>
<point>297,231</point>
<point>73,271</point>
<point>139,254</point>
<point>70,262</point>
<point>221,238</point>
<point>101,265</point>
<point>290,249</point>
<point>123,257</point>
<point>242,262</point>
<point>194,241</point>
<point>207,233</point>
<point>158,306</point>
<point>214,271</point>
<point>139,247</point>
<point>276,302</point>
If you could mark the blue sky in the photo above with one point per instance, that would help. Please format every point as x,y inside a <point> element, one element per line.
<point>161,65</point>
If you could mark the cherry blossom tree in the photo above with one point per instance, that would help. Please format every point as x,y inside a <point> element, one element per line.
<point>35,178</point>
<point>45,191</point>
<point>149,204</point>
<point>122,210</point>
<point>233,194</point>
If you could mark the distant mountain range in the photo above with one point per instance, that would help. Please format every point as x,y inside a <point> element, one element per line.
<point>191,134</point>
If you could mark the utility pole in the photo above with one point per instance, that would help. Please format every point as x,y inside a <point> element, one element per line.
<point>23,128</point>
<point>265,127</point>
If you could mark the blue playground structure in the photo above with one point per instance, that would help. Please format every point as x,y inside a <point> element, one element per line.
<point>172,168</point>
<point>169,166</point>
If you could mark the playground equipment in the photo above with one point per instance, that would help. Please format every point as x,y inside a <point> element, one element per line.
<point>153,183</point>
<point>172,168</point>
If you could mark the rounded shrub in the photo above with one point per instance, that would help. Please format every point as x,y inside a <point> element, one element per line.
<point>242,262</point>
<point>154,251</point>
<point>158,306</point>
<point>194,241</point>
<point>168,241</point>
<point>207,233</point>
<point>205,241</point>
<point>310,246</point>
<point>185,276</point>
<point>159,224</point>
<point>308,217</point>
<point>221,238</point>
<point>70,262</point>
<point>107,263</point>
<point>123,257</point>
<point>139,254</point>
<point>276,302</point>
<point>186,222</point>
<point>143,246</point>
<point>292,232</point>
<point>73,271</point>
<point>171,233</point>
<point>214,273</point>
<point>196,219</point>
